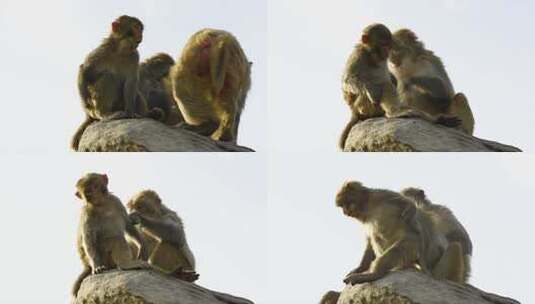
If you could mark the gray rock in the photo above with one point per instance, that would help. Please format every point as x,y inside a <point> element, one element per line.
<point>413,135</point>
<point>412,287</point>
<point>148,135</point>
<point>147,287</point>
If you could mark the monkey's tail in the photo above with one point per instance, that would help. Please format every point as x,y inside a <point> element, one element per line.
<point>79,280</point>
<point>345,133</point>
<point>75,142</point>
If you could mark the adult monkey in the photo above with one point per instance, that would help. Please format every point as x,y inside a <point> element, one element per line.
<point>210,84</point>
<point>108,78</point>
<point>423,82</point>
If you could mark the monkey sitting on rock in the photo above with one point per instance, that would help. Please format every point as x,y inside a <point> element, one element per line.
<point>367,85</point>
<point>210,84</point>
<point>164,236</point>
<point>101,238</point>
<point>108,78</point>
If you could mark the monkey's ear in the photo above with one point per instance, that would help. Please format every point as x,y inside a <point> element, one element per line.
<point>365,39</point>
<point>78,195</point>
<point>105,179</point>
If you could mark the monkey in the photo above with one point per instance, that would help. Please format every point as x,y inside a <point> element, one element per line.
<point>210,83</point>
<point>108,78</point>
<point>422,80</point>
<point>101,238</point>
<point>393,243</point>
<point>155,85</point>
<point>331,297</point>
<point>444,221</point>
<point>169,250</point>
<point>367,85</point>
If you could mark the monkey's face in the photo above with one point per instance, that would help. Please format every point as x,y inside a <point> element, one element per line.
<point>353,199</point>
<point>146,203</point>
<point>378,38</point>
<point>130,31</point>
<point>92,187</point>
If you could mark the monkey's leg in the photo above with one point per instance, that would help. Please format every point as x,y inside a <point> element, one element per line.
<point>165,258</point>
<point>398,256</point>
<point>122,255</point>
<point>106,98</point>
<point>227,119</point>
<point>451,264</point>
<point>207,128</point>
<point>460,108</point>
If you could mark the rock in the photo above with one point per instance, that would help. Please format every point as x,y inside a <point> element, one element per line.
<point>411,287</point>
<point>147,287</point>
<point>148,135</point>
<point>412,135</point>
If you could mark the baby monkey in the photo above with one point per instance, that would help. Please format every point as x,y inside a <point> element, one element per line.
<point>164,234</point>
<point>367,85</point>
<point>101,235</point>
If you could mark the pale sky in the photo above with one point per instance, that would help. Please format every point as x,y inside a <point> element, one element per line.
<point>486,46</point>
<point>44,42</point>
<point>313,245</point>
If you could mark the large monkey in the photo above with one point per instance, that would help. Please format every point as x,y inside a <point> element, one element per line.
<point>210,84</point>
<point>101,238</point>
<point>367,85</point>
<point>393,242</point>
<point>423,83</point>
<point>108,78</point>
<point>164,231</point>
<point>444,222</point>
<point>155,85</point>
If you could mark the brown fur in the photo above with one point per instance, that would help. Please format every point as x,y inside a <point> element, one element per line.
<point>210,84</point>
<point>169,250</point>
<point>101,238</point>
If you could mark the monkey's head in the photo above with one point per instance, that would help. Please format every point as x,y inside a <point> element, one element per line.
<point>405,44</point>
<point>129,31</point>
<point>146,202</point>
<point>353,198</point>
<point>416,194</point>
<point>92,187</point>
<point>157,66</point>
<point>377,38</point>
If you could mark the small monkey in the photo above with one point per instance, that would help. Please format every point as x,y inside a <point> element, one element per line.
<point>444,222</point>
<point>155,85</point>
<point>367,85</point>
<point>210,84</point>
<point>423,82</point>
<point>169,252</point>
<point>108,78</point>
<point>394,243</point>
<point>101,235</point>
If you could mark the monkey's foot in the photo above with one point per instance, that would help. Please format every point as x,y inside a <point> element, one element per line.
<point>450,122</point>
<point>186,275</point>
<point>358,278</point>
<point>99,269</point>
<point>118,115</point>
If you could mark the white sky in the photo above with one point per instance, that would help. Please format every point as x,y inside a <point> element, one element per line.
<point>221,200</point>
<point>44,42</point>
<point>312,245</point>
<point>309,42</point>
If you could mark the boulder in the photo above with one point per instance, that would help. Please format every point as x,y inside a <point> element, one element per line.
<point>147,287</point>
<point>415,135</point>
<point>148,135</point>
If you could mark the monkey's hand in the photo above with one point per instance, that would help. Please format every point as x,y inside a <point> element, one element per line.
<point>99,269</point>
<point>359,269</point>
<point>135,218</point>
<point>449,121</point>
<point>357,278</point>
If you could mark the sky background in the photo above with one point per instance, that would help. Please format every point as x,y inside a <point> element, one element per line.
<point>221,200</point>
<point>44,42</point>
<point>315,245</point>
<point>486,46</point>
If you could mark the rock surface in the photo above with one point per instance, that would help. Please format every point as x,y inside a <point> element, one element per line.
<point>148,135</point>
<point>147,287</point>
<point>411,287</point>
<point>413,135</point>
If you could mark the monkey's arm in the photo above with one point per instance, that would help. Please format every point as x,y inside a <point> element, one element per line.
<point>366,261</point>
<point>86,76</point>
<point>166,229</point>
<point>219,61</point>
<point>137,239</point>
<point>90,245</point>
<point>130,92</point>
<point>434,88</point>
